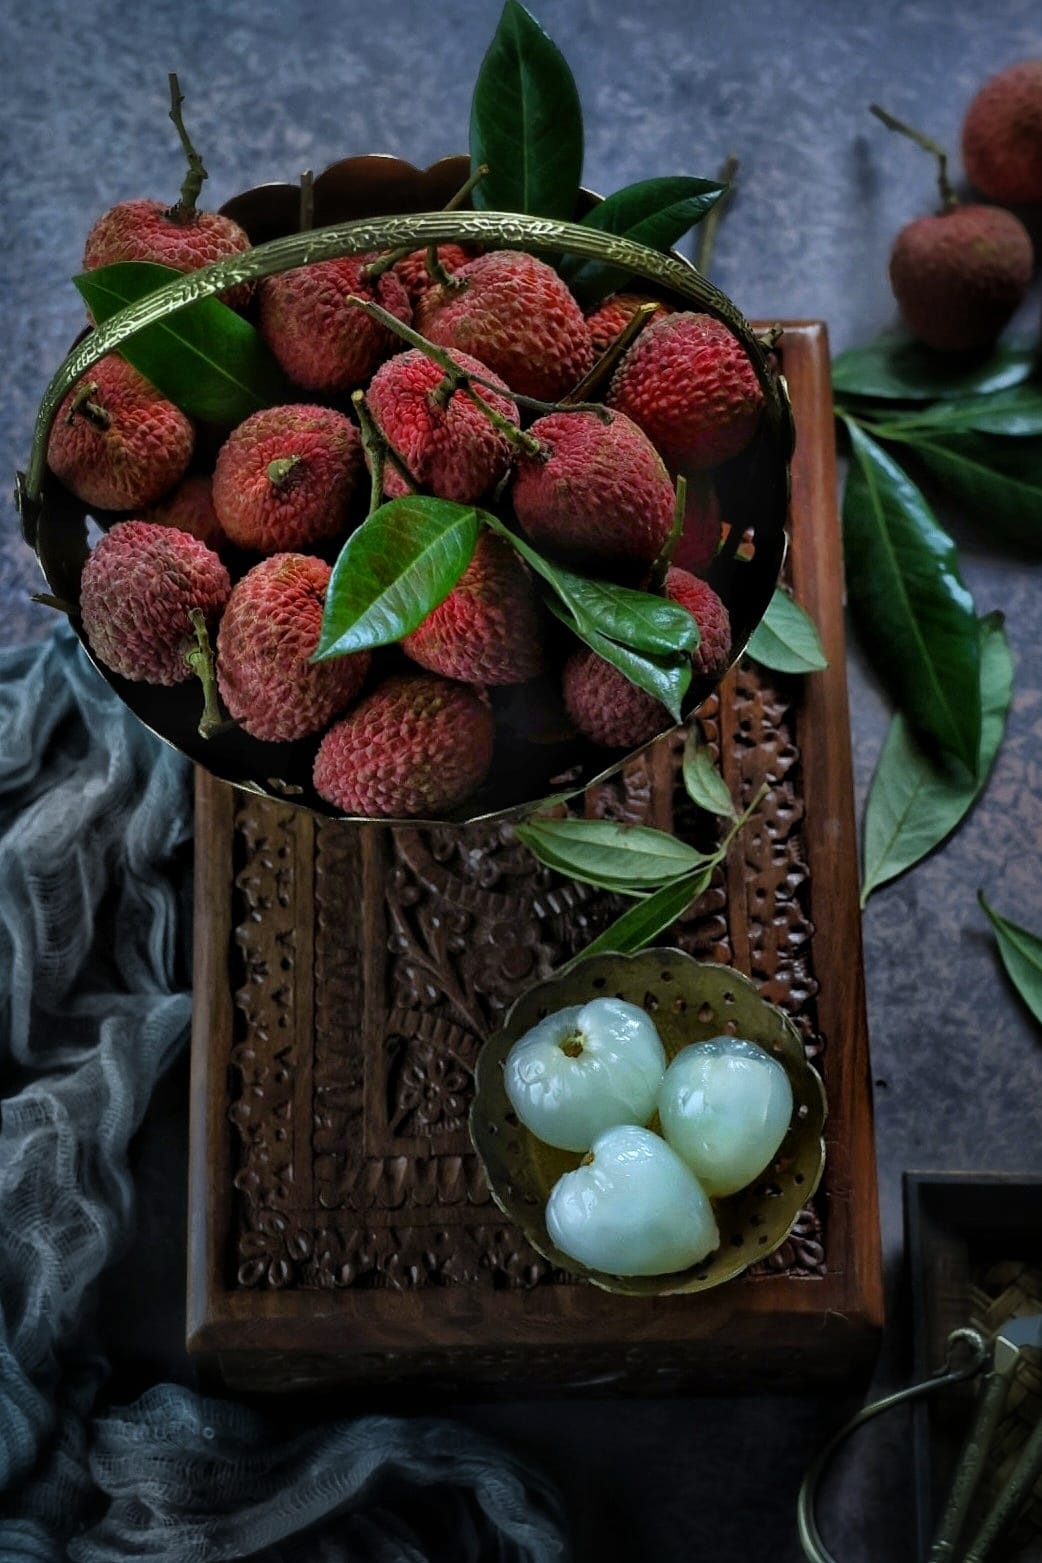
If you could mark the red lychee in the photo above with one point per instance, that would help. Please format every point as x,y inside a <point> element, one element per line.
<point>285,478</point>
<point>602,501</point>
<point>190,509</point>
<point>185,240</point>
<point>116,443</point>
<point>1002,135</point>
<point>417,746</point>
<point>489,630</point>
<point>614,314</point>
<point>700,539</point>
<point>515,314</point>
<point>322,340</point>
<point>268,631</point>
<point>138,588</point>
<point>959,276</point>
<point>451,449</point>
<point>608,709</point>
<point>412,269</point>
<point>689,384</point>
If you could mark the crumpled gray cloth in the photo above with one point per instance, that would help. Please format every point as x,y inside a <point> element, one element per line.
<point>95,829</point>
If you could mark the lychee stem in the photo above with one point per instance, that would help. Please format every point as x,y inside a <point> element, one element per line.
<point>280,469</point>
<point>609,358</point>
<point>383,263</point>
<point>661,565</point>
<point>183,209</point>
<point>93,411</point>
<point>711,222</point>
<point>306,216</point>
<point>200,659</point>
<point>380,451</point>
<point>59,604</point>
<point>948,197</point>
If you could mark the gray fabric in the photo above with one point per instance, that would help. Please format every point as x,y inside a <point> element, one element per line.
<point>95,825</point>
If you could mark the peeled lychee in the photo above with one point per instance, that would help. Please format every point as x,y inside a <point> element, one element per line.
<point>450,448</point>
<point>416,746</point>
<point>190,509</point>
<point>268,631</point>
<point>689,384</point>
<point>138,588</point>
<point>515,314</point>
<point>116,443</point>
<point>489,629</point>
<point>412,269</point>
<point>959,276</point>
<point>607,708</point>
<point>323,341</point>
<point>602,501</point>
<point>185,240</point>
<point>285,478</point>
<point>1002,135</point>
<point>698,542</point>
<point>614,314</point>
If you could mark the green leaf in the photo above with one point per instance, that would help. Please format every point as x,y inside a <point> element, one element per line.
<point>787,638</point>
<point>206,359</point>
<point>896,369</point>
<point>667,679</point>
<point>608,854</point>
<point>394,570</point>
<point>1016,413</point>
<point>915,615</point>
<point>1021,953</point>
<point>705,786</point>
<point>655,212</point>
<point>526,123</point>
<point>1000,481</point>
<point>640,925</point>
<point>916,798</point>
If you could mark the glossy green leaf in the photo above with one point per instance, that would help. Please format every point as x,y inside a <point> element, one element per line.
<point>895,369</point>
<point>1015,413</point>
<point>206,359</point>
<point>917,798</point>
<point>703,782</point>
<point>610,855</point>
<point>914,614</point>
<point>641,925</point>
<point>666,678</point>
<point>999,481</point>
<point>398,566</point>
<point>526,123</point>
<point>1021,953</point>
<point>787,638</point>
<point>655,212</point>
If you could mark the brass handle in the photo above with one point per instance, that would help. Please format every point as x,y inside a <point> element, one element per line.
<point>971,1463</point>
<point>1012,1498</point>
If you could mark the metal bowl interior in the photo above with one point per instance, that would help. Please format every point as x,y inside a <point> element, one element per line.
<point>538,754</point>
<point>690,1001</point>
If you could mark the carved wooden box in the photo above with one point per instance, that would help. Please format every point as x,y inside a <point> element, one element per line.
<point>341,1227</point>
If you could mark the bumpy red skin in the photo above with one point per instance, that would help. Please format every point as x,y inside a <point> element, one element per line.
<point>690,386</point>
<point>415,277</point>
<point>959,277</point>
<point>700,539</point>
<point>310,504</point>
<point>1002,135</point>
<point>453,451</point>
<point>140,455</point>
<point>145,231</point>
<point>517,316</point>
<point>268,631</point>
<point>614,314</point>
<point>608,709</point>
<point>416,747</point>
<point>136,592</point>
<point>603,501</point>
<point>190,509</point>
<point>319,337</point>
<point>489,629</point>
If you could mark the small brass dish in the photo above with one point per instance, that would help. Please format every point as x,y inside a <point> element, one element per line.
<point>689,1001</point>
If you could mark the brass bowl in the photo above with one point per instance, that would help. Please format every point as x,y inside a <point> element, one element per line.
<point>537,753</point>
<point>689,1001</point>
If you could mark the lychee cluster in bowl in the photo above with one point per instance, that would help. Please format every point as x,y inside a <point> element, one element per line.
<point>446,575</point>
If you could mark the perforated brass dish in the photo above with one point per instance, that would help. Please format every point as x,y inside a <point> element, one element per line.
<point>690,1001</point>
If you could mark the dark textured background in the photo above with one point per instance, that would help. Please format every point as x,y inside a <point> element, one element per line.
<point>666,88</point>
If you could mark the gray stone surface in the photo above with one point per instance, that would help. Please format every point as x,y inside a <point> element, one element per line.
<point>667,88</point>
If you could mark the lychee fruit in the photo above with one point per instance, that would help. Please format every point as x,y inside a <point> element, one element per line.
<point>688,382</point>
<point>285,478</point>
<point>189,508</point>
<point>322,340</point>
<point>614,315</point>
<point>698,542</point>
<point>1002,135</point>
<point>417,746</point>
<point>412,269</point>
<point>515,314</point>
<point>451,448</point>
<point>489,629</point>
<point>268,632</point>
<point>138,589</point>
<point>608,709</point>
<point>602,499</point>
<point>959,276</point>
<point>171,236</point>
<point>116,442</point>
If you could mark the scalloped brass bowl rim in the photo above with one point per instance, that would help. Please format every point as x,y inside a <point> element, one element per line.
<point>491,1130</point>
